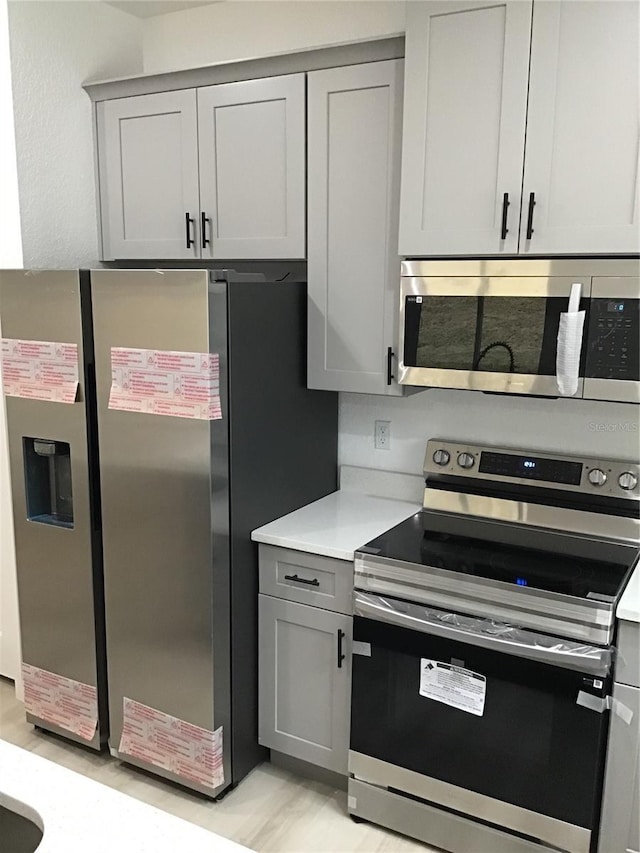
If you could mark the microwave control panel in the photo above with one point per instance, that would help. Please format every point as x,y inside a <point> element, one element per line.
<point>613,340</point>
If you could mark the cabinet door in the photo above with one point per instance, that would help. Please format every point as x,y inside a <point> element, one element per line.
<point>304,689</point>
<point>581,158</point>
<point>354,141</point>
<point>252,170</point>
<point>148,167</point>
<point>620,828</point>
<point>464,123</point>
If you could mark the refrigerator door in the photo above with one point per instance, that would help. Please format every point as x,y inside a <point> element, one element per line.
<point>167,613</point>
<point>55,509</point>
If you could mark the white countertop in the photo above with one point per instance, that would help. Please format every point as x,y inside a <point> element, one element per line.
<point>629,604</point>
<point>79,815</point>
<point>337,525</point>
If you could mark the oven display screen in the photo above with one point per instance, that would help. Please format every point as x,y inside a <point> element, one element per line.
<point>531,468</point>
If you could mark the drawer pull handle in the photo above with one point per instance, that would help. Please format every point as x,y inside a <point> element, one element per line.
<point>313,582</point>
<point>341,655</point>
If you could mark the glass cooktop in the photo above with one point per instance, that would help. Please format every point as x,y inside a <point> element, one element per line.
<point>421,539</point>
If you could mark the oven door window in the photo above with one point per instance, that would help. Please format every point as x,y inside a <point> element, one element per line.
<point>497,334</point>
<point>532,745</point>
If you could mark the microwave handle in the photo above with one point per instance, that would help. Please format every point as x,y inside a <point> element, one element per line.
<point>487,634</point>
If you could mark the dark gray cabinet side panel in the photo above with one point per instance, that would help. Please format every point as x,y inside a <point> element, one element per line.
<point>284,442</point>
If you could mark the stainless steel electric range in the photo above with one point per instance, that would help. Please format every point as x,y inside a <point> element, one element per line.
<point>483,651</point>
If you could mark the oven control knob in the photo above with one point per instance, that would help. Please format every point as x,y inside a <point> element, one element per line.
<point>627,481</point>
<point>466,460</point>
<point>597,477</point>
<point>441,457</point>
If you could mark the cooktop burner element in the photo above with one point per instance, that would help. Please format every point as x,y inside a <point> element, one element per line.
<point>533,539</point>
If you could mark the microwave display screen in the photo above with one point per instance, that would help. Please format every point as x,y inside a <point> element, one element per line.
<point>531,468</point>
<point>499,334</point>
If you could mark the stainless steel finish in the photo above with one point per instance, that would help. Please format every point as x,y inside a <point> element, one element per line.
<point>54,564</point>
<point>466,460</point>
<point>597,477</point>
<point>623,285</point>
<point>566,836</point>
<point>573,521</point>
<point>612,467</point>
<point>604,268</point>
<point>475,380</point>
<point>514,277</point>
<point>627,481</point>
<point>615,390</point>
<point>434,826</point>
<point>582,619</point>
<point>441,457</point>
<point>155,469</point>
<point>490,635</point>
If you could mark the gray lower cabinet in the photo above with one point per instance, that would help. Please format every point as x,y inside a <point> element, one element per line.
<point>620,824</point>
<point>305,681</point>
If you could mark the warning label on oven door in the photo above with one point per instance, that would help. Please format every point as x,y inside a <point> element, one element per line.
<point>453,685</point>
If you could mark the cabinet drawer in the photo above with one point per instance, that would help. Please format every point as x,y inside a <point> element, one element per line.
<point>307,578</point>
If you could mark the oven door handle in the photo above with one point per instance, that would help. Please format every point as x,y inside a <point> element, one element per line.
<point>496,636</point>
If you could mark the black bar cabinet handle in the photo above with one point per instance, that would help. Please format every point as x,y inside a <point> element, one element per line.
<point>390,355</point>
<point>505,207</point>
<point>313,582</point>
<point>203,229</point>
<point>532,204</point>
<point>189,221</point>
<point>341,655</point>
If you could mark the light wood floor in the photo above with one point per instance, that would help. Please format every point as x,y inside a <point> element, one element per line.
<point>271,810</point>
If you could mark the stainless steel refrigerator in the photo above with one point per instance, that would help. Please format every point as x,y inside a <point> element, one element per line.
<point>48,379</point>
<point>206,431</point>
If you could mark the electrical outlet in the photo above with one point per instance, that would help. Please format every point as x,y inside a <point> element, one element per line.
<point>382,435</point>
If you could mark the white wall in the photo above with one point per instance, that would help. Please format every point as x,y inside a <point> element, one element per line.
<point>244,29</point>
<point>10,256</point>
<point>566,426</point>
<point>55,46</point>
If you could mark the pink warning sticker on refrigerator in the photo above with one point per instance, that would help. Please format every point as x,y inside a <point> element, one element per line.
<point>191,752</point>
<point>161,382</point>
<point>40,370</point>
<point>61,701</point>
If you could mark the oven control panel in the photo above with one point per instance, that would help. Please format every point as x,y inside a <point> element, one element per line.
<point>605,477</point>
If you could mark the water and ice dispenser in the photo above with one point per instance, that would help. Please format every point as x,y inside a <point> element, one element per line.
<point>49,493</point>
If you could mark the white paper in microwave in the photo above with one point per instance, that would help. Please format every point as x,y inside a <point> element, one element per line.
<point>452,685</point>
<point>570,333</point>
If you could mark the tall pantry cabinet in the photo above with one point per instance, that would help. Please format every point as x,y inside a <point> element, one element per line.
<point>521,128</point>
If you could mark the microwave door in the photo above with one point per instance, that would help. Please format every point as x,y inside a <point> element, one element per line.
<point>613,341</point>
<point>497,334</point>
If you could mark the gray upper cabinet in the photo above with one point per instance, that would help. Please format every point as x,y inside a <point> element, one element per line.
<point>252,172</point>
<point>354,145</point>
<point>148,175</point>
<point>464,126</point>
<point>583,129</point>
<point>478,73</point>
<point>216,172</point>
<point>305,682</point>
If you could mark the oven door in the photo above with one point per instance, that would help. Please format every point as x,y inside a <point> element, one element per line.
<point>485,333</point>
<point>483,719</point>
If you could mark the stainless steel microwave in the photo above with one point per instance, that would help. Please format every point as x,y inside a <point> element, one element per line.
<point>497,325</point>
